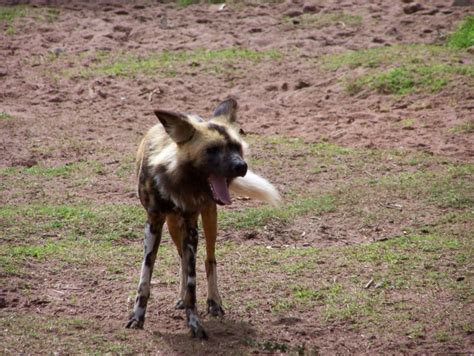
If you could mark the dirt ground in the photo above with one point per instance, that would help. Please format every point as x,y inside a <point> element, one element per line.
<point>372,251</point>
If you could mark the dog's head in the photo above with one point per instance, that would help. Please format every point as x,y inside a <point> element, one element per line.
<point>213,149</point>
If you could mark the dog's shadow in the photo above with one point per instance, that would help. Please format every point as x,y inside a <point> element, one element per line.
<point>224,337</point>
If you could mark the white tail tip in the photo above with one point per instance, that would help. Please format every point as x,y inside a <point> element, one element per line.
<point>256,187</point>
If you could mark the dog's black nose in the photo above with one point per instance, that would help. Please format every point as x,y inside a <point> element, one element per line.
<point>240,168</point>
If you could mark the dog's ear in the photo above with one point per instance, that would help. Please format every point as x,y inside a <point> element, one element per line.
<point>227,109</point>
<point>176,125</point>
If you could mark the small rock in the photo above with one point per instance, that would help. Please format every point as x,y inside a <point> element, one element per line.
<point>203,21</point>
<point>460,278</point>
<point>463,3</point>
<point>255,30</point>
<point>102,94</point>
<point>250,235</point>
<point>121,12</point>
<point>57,51</point>
<point>28,163</point>
<point>430,12</point>
<point>311,9</point>
<point>56,99</point>
<point>412,8</point>
<point>378,40</point>
<point>284,86</point>
<point>3,72</point>
<point>302,84</point>
<point>121,28</point>
<point>293,13</point>
<point>427,30</point>
<point>271,87</point>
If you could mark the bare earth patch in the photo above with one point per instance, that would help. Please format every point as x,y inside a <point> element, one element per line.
<point>361,114</point>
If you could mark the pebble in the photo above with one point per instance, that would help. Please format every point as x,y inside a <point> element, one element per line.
<point>412,8</point>
<point>301,84</point>
<point>310,9</point>
<point>463,3</point>
<point>293,13</point>
<point>430,12</point>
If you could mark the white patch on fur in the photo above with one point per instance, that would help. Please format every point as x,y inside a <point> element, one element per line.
<point>191,281</point>
<point>193,321</point>
<point>166,157</point>
<point>195,118</point>
<point>256,187</point>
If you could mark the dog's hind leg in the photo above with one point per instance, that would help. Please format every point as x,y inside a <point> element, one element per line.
<point>175,225</point>
<point>189,250</point>
<point>209,223</point>
<point>153,229</point>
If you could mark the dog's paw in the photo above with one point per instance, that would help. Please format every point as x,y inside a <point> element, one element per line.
<point>135,323</point>
<point>214,308</point>
<point>199,332</point>
<point>179,304</point>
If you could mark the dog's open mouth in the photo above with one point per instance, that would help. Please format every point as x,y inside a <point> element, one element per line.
<point>219,188</point>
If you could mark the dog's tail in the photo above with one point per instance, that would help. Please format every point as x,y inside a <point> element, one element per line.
<point>256,187</point>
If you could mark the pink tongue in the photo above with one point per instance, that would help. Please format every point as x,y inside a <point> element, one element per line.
<point>219,189</point>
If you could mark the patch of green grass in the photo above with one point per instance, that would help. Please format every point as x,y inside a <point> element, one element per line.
<point>401,55</point>
<point>463,37</point>
<point>329,19</point>
<point>9,13</point>
<point>464,128</point>
<point>168,63</point>
<point>441,336</point>
<point>5,116</point>
<point>282,305</point>
<point>10,31</point>
<point>77,173</point>
<point>48,172</point>
<point>408,79</point>
<point>32,333</point>
<point>126,168</point>
<point>307,295</point>
<point>406,123</point>
<point>63,252</point>
<point>107,222</point>
<point>416,331</point>
<point>255,217</point>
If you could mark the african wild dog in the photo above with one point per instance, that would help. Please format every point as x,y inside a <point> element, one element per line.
<point>185,167</point>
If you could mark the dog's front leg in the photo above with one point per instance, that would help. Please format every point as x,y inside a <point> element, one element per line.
<point>153,230</point>
<point>209,224</point>
<point>189,258</point>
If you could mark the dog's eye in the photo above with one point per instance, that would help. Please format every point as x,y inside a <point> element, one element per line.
<point>213,150</point>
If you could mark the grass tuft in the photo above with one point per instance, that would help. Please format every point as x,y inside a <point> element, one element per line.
<point>256,217</point>
<point>9,13</point>
<point>464,128</point>
<point>166,63</point>
<point>5,116</point>
<point>401,54</point>
<point>407,79</point>
<point>463,37</point>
